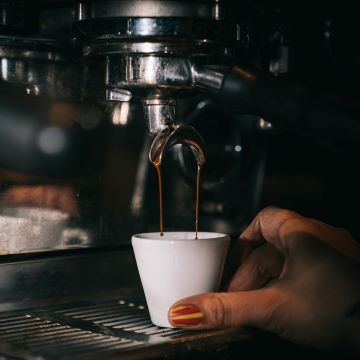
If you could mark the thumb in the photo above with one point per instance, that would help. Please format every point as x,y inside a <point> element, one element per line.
<point>256,308</point>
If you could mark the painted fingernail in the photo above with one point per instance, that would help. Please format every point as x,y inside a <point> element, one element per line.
<point>185,315</point>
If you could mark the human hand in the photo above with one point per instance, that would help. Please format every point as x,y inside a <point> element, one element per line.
<point>47,196</point>
<point>300,280</point>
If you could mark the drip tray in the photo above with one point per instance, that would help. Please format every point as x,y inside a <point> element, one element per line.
<point>112,329</point>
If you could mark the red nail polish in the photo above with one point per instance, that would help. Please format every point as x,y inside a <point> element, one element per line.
<point>185,315</point>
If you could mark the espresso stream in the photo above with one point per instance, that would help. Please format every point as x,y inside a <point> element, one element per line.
<point>160,183</point>
<point>198,173</point>
<point>158,170</point>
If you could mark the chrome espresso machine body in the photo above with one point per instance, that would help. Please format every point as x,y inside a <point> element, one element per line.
<point>86,86</point>
<point>87,89</point>
<point>110,67</point>
<point>159,56</point>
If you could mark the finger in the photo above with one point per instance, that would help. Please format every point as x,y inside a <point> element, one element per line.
<point>338,238</point>
<point>277,226</point>
<point>267,226</point>
<point>257,308</point>
<point>264,263</point>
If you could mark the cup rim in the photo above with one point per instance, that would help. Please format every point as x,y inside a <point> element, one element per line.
<point>155,236</point>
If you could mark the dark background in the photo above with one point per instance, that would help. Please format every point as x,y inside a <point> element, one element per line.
<point>302,174</point>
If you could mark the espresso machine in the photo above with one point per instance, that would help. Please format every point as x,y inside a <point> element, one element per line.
<point>88,91</point>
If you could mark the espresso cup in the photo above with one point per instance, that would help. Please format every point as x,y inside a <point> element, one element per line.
<point>176,265</point>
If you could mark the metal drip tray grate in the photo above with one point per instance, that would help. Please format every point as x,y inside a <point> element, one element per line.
<point>116,329</point>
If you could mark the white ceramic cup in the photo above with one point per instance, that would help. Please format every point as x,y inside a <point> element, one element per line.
<point>176,265</point>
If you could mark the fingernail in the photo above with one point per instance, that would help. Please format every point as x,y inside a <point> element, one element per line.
<point>185,315</point>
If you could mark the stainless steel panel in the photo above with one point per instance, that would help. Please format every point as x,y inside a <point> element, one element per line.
<point>41,279</point>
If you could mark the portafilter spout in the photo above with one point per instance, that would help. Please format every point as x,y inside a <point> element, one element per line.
<point>159,114</point>
<point>173,135</point>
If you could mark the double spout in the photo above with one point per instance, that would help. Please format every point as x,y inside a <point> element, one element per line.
<point>173,135</point>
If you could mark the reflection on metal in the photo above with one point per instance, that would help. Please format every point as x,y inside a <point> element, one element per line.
<point>194,47</point>
<point>160,50</point>
<point>138,197</point>
<point>30,230</point>
<point>264,125</point>
<point>49,68</point>
<point>209,78</point>
<point>148,75</point>
<point>43,278</point>
<point>118,95</point>
<point>280,64</point>
<point>159,114</point>
<point>52,140</point>
<point>149,8</point>
<point>120,113</point>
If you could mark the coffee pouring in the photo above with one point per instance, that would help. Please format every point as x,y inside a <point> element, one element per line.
<point>171,136</point>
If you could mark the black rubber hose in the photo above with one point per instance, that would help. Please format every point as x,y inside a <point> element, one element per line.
<point>290,107</point>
